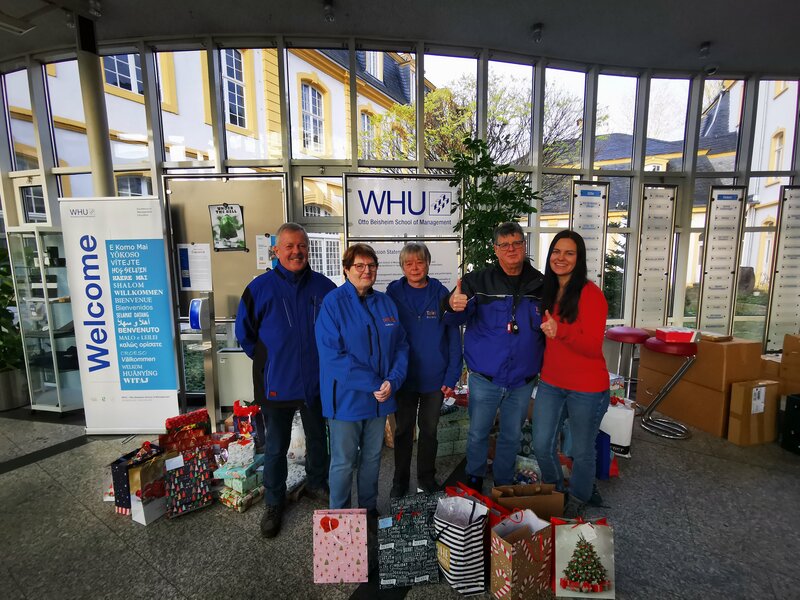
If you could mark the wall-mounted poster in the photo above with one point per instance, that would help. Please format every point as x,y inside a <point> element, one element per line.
<point>122,309</point>
<point>227,226</point>
<point>194,263</point>
<point>265,252</point>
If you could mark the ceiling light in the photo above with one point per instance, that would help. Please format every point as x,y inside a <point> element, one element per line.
<point>536,32</point>
<point>327,11</point>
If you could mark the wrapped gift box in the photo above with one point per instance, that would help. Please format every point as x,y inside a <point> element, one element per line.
<point>229,471</point>
<point>238,501</point>
<point>241,452</point>
<point>188,480</point>
<point>677,334</point>
<point>243,486</point>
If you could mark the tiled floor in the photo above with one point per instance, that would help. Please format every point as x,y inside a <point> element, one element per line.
<point>693,519</point>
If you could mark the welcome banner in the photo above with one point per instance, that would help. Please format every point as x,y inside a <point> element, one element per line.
<point>122,310</point>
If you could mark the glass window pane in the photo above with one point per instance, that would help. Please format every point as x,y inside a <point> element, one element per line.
<point>752,294</point>
<point>763,194</point>
<point>185,114</point>
<point>563,118</point>
<point>614,273</point>
<point>33,205</point>
<point>773,145</point>
<point>387,116</point>
<point>77,186</point>
<point>125,109</point>
<point>540,248</point>
<point>322,196</point>
<point>666,124</point>
<point>619,201</point>
<point>319,103</point>
<point>508,130</point>
<point>450,104</point>
<point>23,138</point>
<point>555,192</point>
<point>66,107</point>
<point>692,285</point>
<point>616,111</point>
<point>719,125</point>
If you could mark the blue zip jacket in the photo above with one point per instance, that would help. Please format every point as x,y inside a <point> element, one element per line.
<point>434,354</point>
<point>494,303</point>
<point>275,327</point>
<point>361,344</point>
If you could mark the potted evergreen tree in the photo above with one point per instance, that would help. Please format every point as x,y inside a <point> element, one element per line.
<point>12,359</point>
<point>491,194</point>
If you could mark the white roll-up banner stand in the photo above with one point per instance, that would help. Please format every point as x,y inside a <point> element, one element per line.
<point>123,312</point>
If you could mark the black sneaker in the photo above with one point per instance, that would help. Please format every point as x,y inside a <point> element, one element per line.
<point>398,490</point>
<point>429,486</point>
<point>322,494</point>
<point>271,520</point>
<point>476,483</point>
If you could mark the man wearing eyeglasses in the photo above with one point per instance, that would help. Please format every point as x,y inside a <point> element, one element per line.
<point>275,327</point>
<point>503,348</point>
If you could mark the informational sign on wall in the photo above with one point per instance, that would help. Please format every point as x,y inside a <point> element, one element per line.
<point>124,326</point>
<point>590,200</point>
<point>655,252</point>
<point>444,262</point>
<point>721,258</point>
<point>784,310</point>
<point>194,264</point>
<point>383,206</point>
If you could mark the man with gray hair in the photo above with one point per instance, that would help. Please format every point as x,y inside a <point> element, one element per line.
<point>503,348</point>
<point>275,327</point>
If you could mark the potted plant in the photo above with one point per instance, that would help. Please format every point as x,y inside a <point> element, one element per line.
<point>12,359</point>
<point>491,194</point>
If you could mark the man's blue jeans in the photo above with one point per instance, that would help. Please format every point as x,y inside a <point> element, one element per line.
<point>585,411</point>
<point>355,445</point>
<point>484,399</point>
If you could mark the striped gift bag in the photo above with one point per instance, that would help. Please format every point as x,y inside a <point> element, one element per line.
<point>459,525</point>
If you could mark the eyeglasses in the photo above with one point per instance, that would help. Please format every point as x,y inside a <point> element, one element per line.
<point>359,267</point>
<point>506,246</point>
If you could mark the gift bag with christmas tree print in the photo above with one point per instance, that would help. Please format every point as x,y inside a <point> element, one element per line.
<point>340,546</point>
<point>584,558</point>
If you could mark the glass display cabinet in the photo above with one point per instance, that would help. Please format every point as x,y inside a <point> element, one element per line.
<point>45,315</point>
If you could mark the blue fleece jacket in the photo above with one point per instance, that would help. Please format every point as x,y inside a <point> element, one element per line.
<point>361,344</point>
<point>434,355</point>
<point>275,327</point>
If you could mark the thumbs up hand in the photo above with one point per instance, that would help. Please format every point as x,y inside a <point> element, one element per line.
<point>458,300</point>
<point>549,325</point>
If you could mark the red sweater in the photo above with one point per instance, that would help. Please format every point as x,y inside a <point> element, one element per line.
<point>574,360</point>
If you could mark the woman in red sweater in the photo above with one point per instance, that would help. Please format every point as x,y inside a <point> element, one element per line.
<point>574,378</point>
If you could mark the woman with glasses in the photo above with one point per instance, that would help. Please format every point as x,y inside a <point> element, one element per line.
<point>574,378</point>
<point>363,357</point>
<point>433,370</point>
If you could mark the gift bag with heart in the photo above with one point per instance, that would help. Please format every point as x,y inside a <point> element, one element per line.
<point>340,546</point>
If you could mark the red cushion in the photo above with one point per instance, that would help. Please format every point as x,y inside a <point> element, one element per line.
<point>675,348</point>
<point>627,335</point>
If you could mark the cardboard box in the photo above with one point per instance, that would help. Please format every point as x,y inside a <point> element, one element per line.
<point>692,404</point>
<point>753,412</point>
<point>771,367</point>
<point>791,342</point>
<point>718,364</point>
<point>541,498</point>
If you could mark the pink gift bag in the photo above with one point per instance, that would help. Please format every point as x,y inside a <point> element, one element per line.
<point>340,546</point>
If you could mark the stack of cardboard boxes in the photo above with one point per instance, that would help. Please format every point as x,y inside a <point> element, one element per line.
<point>702,397</point>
